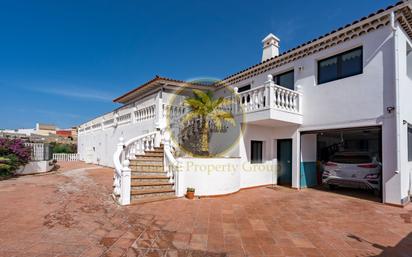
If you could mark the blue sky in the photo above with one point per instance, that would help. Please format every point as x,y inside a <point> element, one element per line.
<point>62,62</point>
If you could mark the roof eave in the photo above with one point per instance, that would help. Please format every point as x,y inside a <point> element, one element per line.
<point>325,37</point>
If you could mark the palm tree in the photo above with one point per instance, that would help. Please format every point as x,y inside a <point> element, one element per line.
<point>205,108</point>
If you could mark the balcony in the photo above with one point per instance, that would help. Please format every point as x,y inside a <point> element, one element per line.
<point>270,105</point>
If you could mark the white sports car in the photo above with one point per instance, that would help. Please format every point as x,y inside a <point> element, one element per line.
<point>353,169</point>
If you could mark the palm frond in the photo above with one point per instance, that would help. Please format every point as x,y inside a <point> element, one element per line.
<point>203,96</point>
<point>193,103</point>
<point>217,121</point>
<point>223,115</point>
<point>190,116</point>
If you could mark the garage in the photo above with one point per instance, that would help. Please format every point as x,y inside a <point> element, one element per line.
<point>347,161</point>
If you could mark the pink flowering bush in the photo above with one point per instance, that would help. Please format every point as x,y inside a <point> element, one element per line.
<point>13,154</point>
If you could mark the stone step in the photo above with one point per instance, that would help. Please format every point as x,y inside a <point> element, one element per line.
<point>148,173</point>
<point>135,163</point>
<point>143,158</point>
<point>151,191</point>
<point>150,183</point>
<point>149,178</point>
<point>150,155</point>
<point>156,150</point>
<point>151,186</point>
<point>148,193</point>
<point>143,176</point>
<point>147,169</point>
<point>152,199</point>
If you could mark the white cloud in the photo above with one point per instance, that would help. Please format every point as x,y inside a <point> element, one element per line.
<point>80,93</point>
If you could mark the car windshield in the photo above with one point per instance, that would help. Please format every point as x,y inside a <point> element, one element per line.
<point>351,158</point>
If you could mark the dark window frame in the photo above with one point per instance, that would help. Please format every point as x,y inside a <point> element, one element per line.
<point>276,77</point>
<point>409,138</point>
<point>339,65</point>
<point>244,88</point>
<point>253,158</point>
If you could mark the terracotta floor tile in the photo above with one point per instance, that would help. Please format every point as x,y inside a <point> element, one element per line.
<point>76,216</point>
<point>292,251</point>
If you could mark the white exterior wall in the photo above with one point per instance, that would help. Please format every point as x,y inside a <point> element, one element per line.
<point>268,135</point>
<point>217,176</point>
<point>356,101</point>
<point>209,177</point>
<point>34,167</point>
<point>405,111</point>
<point>98,145</point>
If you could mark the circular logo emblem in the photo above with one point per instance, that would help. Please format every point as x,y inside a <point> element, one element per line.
<point>204,118</point>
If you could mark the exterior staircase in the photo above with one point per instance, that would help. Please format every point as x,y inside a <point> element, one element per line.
<point>149,181</point>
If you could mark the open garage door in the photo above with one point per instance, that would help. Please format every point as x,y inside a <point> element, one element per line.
<point>347,160</point>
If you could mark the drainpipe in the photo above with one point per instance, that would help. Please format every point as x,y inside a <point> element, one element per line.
<point>397,100</point>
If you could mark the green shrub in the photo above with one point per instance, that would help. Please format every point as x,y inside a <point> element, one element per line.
<point>13,154</point>
<point>63,148</point>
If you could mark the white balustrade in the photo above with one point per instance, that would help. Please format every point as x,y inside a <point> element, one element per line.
<point>145,113</point>
<point>66,157</point>
<point>127,151</point>
<point>125,118</point>
<point>172,166</point>
<point>268,96</point>
<point>39,151</point>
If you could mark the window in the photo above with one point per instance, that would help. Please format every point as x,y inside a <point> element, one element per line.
<point>286,79</point>
<point>244,88</point>
<point>256,152</point>
<point>340,66</point>
<point>410,144</point>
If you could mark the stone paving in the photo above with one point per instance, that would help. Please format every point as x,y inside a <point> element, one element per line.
<point>70,212</point>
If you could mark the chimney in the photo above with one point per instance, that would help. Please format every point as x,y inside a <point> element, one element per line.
<point>270,47</point>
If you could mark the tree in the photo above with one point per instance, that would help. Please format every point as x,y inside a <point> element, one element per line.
<point>13,154</point>
<point>204,107</point>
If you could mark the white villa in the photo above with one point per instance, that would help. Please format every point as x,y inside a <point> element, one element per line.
<point>348,90</point>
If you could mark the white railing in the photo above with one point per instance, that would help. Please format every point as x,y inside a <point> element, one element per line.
<point>145,113</point>
<point>124,152</point>
<point>269,96</point>
<point>39,151</point>
<point>66,157</point>
<point>172,166</point>
<point>137,112</point>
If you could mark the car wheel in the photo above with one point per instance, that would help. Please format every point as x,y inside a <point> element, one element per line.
<point>332,187</point>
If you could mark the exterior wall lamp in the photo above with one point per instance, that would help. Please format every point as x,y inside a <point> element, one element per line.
<point>390,109</point>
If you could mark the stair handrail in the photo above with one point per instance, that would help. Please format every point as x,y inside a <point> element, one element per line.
<point>122,171</point>
<point>172,165</point>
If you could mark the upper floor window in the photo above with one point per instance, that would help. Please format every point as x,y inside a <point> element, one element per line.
<point>243,89</point>
<point>340,66</point>
<point>286,79</point>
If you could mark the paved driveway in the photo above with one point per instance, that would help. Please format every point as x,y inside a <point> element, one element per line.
<point>71,213</point>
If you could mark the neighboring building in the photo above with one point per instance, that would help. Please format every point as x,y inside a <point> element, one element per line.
<point>348,90</point>
<point>12,134</point>
<point>45,129</point>
<point>18,132</point>
<point>46,133</point>
<point>64,133</point>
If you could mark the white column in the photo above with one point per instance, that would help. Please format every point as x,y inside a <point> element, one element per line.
<point>159,111</point>
<point>296,160</point>
<point>125,183</point>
